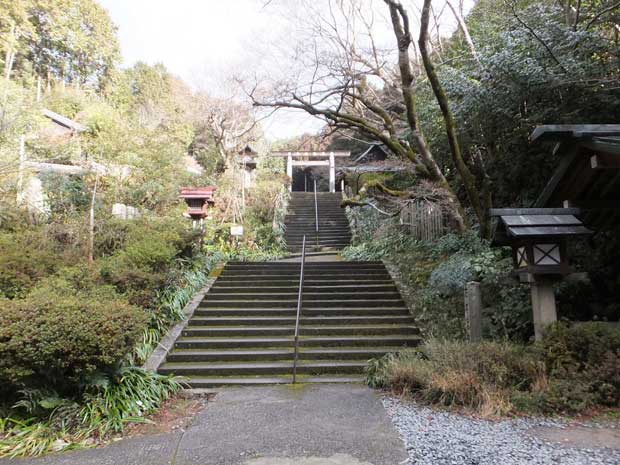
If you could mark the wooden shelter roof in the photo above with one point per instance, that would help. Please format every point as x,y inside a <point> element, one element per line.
<point>588,175</point>
<point>198,192</point>
<point>536,223</point>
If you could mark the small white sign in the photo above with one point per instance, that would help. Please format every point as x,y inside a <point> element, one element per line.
<point>236,230</point>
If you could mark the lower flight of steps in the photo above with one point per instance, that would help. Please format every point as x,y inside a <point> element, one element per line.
<point>243,331</point>
<point>334,232</point>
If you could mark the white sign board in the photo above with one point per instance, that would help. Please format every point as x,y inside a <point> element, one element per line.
<point>236,230</point>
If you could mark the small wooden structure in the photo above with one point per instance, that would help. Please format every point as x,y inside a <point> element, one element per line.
<point>376,151</point>
<point>588,175</point>
<point>313,159</point>
<point>423,219</point>
<point>538,238</point>
<point>198,200</point>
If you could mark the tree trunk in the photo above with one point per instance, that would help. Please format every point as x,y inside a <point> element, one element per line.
<point>403,39</point>
<point>464,29</point>
<point>39,86</point>
<point>467,178</point>
<point>21,168</point>
<point>9,56</point>
<point>91,229</point>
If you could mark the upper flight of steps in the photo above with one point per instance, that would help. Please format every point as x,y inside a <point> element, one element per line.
<point>334,233</point>
<point>243,331</point>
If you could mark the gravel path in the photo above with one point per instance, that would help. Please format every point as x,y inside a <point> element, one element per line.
<point>442,438</point>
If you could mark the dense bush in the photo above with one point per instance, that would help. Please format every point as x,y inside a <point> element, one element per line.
<point>433,275</point>
<point>59,335</point>
<point>584,365</point>
<point>573,369</point>
<point>23,261</point>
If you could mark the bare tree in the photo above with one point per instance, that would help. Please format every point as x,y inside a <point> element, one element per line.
<point>230,125</point>
<point>355,83</point>
<point>458,14</point>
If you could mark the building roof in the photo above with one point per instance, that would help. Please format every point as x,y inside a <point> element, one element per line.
<point>64,121</point>
<point>588,175</point>
<point>372,146</point>
<point>198,192</point>
<point>578,131</point>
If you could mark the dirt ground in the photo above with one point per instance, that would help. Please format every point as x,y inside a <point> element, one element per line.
<point>177,413</point>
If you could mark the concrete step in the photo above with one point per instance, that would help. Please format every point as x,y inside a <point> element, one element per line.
<point>343,312</point>
<point>311,224</point>
<point>342,353</point>
<point>326,276</point>
<point>291,286</point>
<point>305,320</point>
<point>292,303</point>
<point>319,330</point>
<point>229,342</point>
<point>196,382</point>
<point>378,263</point>
<point>308,295</point>
<point>332,275</point>
<point>308,367</point>
<point>283,283</point>
<point>310,230</point>
<point>340,239</point>
<point>392,340</point>
<point>310,265</point>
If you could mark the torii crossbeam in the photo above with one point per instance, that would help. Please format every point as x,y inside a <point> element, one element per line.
<point>313,159</point>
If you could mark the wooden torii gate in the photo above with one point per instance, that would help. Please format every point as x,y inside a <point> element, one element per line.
<point>313,159</point>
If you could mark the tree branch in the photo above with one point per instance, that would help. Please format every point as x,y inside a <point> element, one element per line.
<point>601,13</point>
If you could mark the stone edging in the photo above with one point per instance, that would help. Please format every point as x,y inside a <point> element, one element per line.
<point>158,356</point>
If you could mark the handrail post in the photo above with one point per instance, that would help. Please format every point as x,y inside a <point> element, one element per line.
<point>316,216</point>
<point>299,305</point>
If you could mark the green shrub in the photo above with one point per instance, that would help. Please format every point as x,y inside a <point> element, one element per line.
<point>583,361</point>
<point>44,422</point>
<point>24,260</point>
<point>57,335</point>
<point>450,277</point>
<point>132,393</point>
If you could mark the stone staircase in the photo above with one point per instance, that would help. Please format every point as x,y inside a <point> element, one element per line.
<point>334,233</point>
<point>243,331</point>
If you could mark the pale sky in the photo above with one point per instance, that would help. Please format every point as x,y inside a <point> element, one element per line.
<point>200,41</point>
<point>203,42</point>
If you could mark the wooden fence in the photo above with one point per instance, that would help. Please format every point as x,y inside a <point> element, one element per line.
<point>424,219</point>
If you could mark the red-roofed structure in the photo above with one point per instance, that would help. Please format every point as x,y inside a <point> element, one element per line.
<point>198,200</point>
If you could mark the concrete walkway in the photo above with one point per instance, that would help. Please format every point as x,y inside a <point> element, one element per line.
<point>339,424</point>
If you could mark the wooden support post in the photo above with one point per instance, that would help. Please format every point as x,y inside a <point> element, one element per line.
<point>332,172</point>
<point>473,311</point>
<point>543,305</point>
<point>20,169</point>
<point>289,169</point>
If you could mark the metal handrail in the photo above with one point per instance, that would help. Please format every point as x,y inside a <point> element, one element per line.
<point>299,305</point>
<point>316,216</point>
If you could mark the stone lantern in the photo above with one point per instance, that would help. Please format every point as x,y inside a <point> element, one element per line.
<point>198,200</point>
<point>538,238</point>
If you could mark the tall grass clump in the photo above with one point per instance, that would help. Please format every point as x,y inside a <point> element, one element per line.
<point>44,422</point>
<point>573,369</point>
